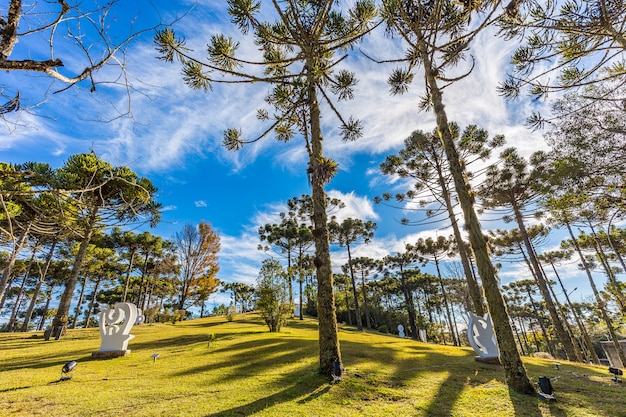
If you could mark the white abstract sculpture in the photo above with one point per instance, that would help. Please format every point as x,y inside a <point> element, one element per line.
<point>401,331</point>
<point>481,337</point>
<point>115,325</point>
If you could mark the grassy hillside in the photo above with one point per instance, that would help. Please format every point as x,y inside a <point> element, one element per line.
<point>249,371</point>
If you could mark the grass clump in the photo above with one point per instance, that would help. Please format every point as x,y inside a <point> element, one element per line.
<point>254,372</point>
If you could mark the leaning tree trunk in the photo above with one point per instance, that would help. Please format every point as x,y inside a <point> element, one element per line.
<point>599,302</point>
<point>514,370</point>
<point>472,282</point>
<point>329,349</point>
<point>561,334</point>
<point>455,341</point>
<point>581,326</point>
<point>614,286</point>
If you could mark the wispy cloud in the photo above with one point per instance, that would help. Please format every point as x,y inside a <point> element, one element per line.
<point>200,203</point>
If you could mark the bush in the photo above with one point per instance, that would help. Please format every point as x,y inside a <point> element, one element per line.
<point>383,329</point>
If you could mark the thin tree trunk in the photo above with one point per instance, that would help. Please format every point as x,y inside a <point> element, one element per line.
<point>474,289</point>
<point>581,326</point>
<point>63,310</point>
<point>45,309</point>
<point>515,373</point>
<point>561,334</point>
<point>128,271</point>
<point>42,275</point>
<point>18,299</point>
<point>357,309</point>
<point>80,302</point>
<point>6,273</point>
<point>614,287</point>
<point>92,303</point>
<point>445,303</point>
<point>541,325</point>
<point>570,332</point>
<point>366,309</point>
<point>599,302</point>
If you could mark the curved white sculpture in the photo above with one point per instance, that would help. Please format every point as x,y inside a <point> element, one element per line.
<point>481,336</point>
<point>115,325</point>
<point>401,331</point>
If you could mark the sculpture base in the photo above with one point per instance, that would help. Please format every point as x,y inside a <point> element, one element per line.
<point>110,354</point>
<point>492,360</point>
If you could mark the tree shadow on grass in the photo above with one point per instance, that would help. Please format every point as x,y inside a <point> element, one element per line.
<point>312,387</point>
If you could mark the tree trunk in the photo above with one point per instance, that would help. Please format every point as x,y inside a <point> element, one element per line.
<point>6,273</point>
<point>599,302</point>
<point>44,313</point>
<point>455,341</point>
<point>18,299</point>
<point>366,309</point>
<point>515,373</point>
<point>92,303</point>
<point>581,326</point>
<point>80,302</point>
<point>326,310</point>
<point>357,310</point>
<point>472,283</point>
<point>614,287</point>
<point>410,305</point>
<point>61,318</point>
<point>128,271</point>
<point>42,275</point>
<point>561,334</point>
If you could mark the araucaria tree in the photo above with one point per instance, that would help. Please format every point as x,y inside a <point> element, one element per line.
<point>437,34</point>
<point>197,249</point>
<point>300,56</point>
<point>102,195</point>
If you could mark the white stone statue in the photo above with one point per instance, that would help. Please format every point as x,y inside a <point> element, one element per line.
<point>422,335</point>
<point>481,336</point>
<point>401,331</point>
<point>115,325</point>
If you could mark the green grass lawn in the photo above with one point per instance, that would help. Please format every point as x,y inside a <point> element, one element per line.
<point>249,371</point>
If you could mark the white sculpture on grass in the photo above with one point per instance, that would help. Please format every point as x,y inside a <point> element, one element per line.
<point>481,337</point>
<point>115,325</point>
<point>401,331</point>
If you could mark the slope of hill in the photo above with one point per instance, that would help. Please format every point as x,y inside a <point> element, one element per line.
<point>249,371</point>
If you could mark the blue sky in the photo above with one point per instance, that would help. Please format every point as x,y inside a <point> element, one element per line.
<point>173,136</point>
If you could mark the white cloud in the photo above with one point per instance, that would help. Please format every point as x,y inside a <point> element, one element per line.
<point>200,203</point>
<point>356,207</point>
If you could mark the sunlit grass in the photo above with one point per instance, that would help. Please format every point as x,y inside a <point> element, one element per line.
<point>249,371</point>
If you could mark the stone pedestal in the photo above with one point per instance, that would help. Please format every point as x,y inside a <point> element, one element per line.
<point>110,354</point>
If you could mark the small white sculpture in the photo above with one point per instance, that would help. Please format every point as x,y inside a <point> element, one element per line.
<point>401,331</point>
<point>481,336</point>
<point>422,335</point>
<point>115,325</point>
